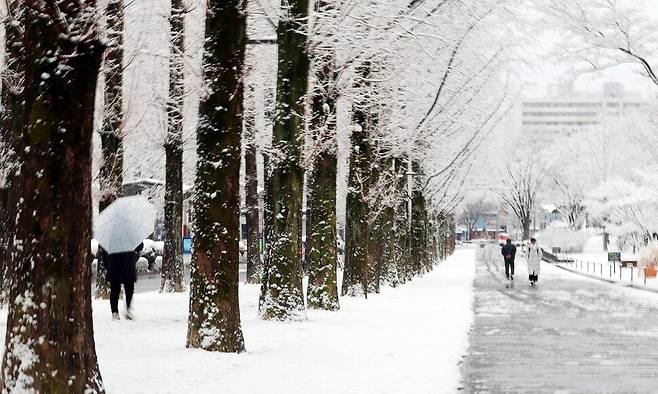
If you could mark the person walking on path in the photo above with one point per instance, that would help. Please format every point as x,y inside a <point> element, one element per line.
<point>122,269</point>
<point>509,253</point>
<point>534,256</point>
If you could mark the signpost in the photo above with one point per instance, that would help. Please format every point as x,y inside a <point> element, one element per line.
<point>614,256</point>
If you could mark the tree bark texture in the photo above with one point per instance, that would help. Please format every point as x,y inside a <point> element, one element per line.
<point>322,292</point>
<point>111,171</point>
<point>49,345</point>
<point>356,274</point>
<point>402,251</point>
<point>418,225</point>
<point>11,106</point>
<point>283,296</point>
<point>389,268</point>
<point>254,263</point>
<point>214,319</point>
<point>172,259</point>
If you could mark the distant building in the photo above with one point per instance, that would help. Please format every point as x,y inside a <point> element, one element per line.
<point>565,113</point>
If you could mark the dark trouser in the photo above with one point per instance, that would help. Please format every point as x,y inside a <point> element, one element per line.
<point>533,278</point>
<point>115,290</point>
<point>509,267</point>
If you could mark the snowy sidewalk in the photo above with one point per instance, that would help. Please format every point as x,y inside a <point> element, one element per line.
<point>405,340</point>
<point>571,334</point>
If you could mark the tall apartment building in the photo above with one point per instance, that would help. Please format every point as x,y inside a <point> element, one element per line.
<point>565,113</point>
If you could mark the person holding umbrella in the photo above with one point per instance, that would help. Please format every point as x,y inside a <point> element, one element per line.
<point>120,231</point>
<point>122,270</point>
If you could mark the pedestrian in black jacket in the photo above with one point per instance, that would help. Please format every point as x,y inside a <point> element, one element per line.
<point>509,252</point>
<point>122,269</point>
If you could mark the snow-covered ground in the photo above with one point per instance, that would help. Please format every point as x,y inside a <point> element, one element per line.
<point>594,262</point>
<point>612,272</point>
<point>405,340</point>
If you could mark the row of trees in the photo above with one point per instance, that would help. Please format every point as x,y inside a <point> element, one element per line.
<point>414,129</point>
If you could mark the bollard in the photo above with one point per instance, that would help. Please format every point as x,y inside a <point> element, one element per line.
<point>601,269</point>
<point>620,272</point>
<point>632,274</point>
<point>645,276</point>
<point>609,266</point>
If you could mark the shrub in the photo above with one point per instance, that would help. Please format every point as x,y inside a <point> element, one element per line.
<point>568,240</point>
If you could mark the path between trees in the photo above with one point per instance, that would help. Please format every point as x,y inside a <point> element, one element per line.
<point>405,340</point>
<point>571,334</point>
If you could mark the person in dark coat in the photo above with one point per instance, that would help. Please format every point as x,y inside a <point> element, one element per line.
<point>509,253</point>
<point>122,269</point>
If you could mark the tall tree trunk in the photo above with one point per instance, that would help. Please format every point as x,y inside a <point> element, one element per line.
<point>111,171</point>
<point>357,224</point>
<point>268,195</point>
<point>283,296</point>
<point>172,261</point>
<point>375,222</point>
<point>390,274</point>
<point>214,319</point>
<point>49,325</point>
<point>11,116</point>
<point>525,222</point>
<point>322,292</point>
<point>418,224</point>
<point>402,256</point>
<point>254,264</point>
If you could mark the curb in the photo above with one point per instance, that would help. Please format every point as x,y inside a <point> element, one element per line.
<point>611,281</point>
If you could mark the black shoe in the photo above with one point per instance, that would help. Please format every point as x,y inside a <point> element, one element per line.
<point>507,276</point>
<point>511,277</point>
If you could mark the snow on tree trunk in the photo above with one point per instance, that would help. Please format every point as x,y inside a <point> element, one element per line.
<point>11,107</point>
<point>402,257</point>
<point>322,292</point>
<point>283,297</point>
<point>254,264</point>
<point>214,318</point>
<point>111,171</point>
<point>49,346</point>
<point>418,225</point>
<point>389,267</point>
<point>357,223</point>
<point>172,259</point>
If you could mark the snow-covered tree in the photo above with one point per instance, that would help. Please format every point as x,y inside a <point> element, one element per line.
<point>172,261</point>
<point>321,204</point>
<point>49,322</point>
<point>626,206</point>
<point>214,318</point>
<point>601,34</point>
<point>112,132</point>
<point>519,186</point>
<point>472,213</point>
<point>11,107</point>
<point>254,263</point>
<point>282,294</point>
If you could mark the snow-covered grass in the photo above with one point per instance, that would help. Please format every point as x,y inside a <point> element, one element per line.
<point>612,272</point>
<point>405,340</point>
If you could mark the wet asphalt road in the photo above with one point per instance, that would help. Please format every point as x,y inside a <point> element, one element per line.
<point>568,335</point>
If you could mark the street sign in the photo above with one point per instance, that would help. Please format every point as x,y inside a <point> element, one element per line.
<point>614,256</point>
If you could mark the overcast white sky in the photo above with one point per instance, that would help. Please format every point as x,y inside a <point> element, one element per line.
<point>544,73</point>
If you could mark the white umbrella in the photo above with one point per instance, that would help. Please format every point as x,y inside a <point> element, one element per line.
<point>124,224</point>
